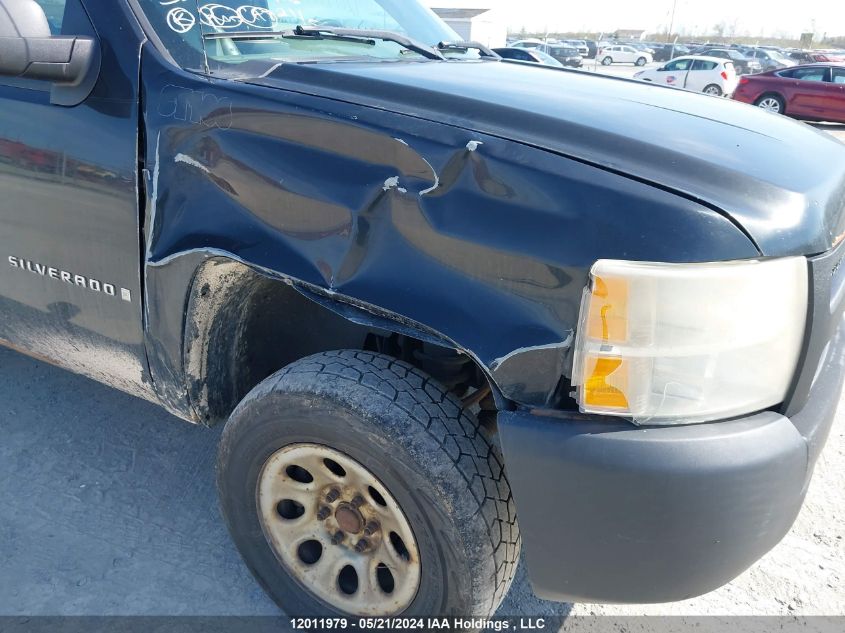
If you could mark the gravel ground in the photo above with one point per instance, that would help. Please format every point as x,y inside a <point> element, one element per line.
<point>107,507</point>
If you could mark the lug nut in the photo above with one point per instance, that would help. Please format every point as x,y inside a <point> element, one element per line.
<point>361,545</point>
<point>371,528</point>
<point>323,513</point>
<point>337,539</point>
<point>333,495</point>
<point>358,501</point>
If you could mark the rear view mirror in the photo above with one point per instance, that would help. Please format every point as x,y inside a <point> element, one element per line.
<point>29,51</point>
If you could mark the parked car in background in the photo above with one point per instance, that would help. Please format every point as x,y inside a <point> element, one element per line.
<point>836,57</point>
<point>815,92</point>
<point>812,57</point>
<point>662,52</point>
<point>579,45</point>
<point>667,52</point>
<point>529,43</point>
<point>623,54</point>
<point>771,59</point>
<point>744,65</point>
<point>710,75</point>
<point>566,55</point>
<point>802,57</point>
<point>527,55</point>
<point>641,46</point>
<point>592,49</point>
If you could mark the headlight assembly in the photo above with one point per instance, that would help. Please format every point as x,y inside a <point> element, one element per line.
<point>682,343</point>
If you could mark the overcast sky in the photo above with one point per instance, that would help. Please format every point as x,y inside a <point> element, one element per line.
<point>751,17</point>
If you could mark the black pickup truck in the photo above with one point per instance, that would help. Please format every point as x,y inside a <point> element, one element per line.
<point>429,292</point>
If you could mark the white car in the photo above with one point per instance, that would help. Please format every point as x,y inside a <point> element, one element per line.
<point>622,54</point>
<point>711,75</point>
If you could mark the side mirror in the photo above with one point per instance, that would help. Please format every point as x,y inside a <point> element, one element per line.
<point>29,51</point>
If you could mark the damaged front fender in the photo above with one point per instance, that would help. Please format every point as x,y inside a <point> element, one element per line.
<point>465,237</point>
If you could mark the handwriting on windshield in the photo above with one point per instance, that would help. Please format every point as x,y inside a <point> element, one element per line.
<point>220,16</point>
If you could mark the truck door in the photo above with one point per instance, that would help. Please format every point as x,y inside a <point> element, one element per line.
<point>70,280</point>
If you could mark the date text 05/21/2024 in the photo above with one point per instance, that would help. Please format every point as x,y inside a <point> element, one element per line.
<point>419,624</point>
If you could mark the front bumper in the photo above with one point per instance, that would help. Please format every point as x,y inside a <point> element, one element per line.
<point>614,513</point>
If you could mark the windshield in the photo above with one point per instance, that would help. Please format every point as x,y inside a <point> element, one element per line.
<point>194,31</point>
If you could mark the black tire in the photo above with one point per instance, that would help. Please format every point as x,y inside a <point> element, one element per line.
<point>410,432</point>
<point>641,61</point>
<point>607,61</point>
<point>713,89</point>
<point>774,99</point>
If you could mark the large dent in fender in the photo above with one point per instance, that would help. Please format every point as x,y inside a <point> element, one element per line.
<point>465,237</point>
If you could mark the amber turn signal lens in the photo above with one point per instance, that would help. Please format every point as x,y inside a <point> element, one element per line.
<point>607,382</point>
<point>608,316</point>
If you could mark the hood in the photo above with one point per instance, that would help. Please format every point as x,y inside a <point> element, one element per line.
<point>783,182</point>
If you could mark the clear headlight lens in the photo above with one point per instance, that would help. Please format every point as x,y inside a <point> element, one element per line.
<point>684,343</point>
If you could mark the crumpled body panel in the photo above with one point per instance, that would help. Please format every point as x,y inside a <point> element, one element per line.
<point>486,242</point>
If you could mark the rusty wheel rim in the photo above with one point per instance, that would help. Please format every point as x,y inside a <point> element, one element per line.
<point>338,531</point>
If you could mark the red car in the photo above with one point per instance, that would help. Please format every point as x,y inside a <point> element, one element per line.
<point>814,92</point>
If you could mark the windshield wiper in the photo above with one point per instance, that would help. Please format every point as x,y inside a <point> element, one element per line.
<point>463,47</point>
<point>317,32</point>
<point>357,36</point>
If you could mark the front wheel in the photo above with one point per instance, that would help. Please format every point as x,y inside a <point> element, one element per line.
<point>353,484</point>
<point>641,61</point>
<point>713,90</point>
<point>607,61</point>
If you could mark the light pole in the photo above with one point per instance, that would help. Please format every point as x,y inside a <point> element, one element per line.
<point>672,20</point>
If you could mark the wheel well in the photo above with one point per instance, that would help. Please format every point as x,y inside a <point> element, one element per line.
<point>243,326</point>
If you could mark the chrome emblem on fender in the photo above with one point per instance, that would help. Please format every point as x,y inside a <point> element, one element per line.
<point>80,281</point>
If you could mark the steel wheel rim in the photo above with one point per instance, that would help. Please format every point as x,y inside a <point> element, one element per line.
<point>770,104</point>
<point>321,529</point>
<point>712,90</point>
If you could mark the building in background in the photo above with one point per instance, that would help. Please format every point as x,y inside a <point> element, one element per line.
<point>477,20</point>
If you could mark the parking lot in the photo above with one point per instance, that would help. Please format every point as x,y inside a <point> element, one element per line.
<point>628,70</point>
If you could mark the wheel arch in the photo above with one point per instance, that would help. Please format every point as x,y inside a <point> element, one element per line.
<point>773,93</point>
<point>243,324</point>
